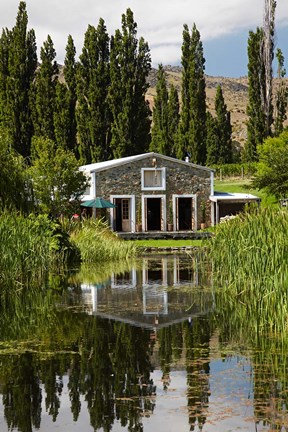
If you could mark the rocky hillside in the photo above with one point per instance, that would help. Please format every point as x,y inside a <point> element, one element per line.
<point>235,91</point>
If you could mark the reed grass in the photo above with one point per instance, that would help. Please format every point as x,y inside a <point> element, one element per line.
<point>250,263</point>
<point>97,243</point>
<point>27,248</point>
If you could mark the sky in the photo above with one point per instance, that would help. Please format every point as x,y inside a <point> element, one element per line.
<point>223,25</point>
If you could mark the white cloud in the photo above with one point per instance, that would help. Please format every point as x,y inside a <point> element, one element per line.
<point>160,22</point>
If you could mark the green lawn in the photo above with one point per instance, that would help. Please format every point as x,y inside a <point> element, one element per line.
<point>242,186</point>
<point>170,243</point>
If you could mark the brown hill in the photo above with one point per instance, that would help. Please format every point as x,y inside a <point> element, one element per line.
<point>235,91</point>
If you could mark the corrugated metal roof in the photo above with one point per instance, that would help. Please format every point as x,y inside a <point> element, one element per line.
<point>226,196</point>
<point>100,166</point>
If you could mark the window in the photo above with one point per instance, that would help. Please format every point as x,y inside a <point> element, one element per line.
<point>153,179</point>
<point>125,209</point>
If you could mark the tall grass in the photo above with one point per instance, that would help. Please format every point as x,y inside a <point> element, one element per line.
<point>27,248</point>
<point>98,243</point>
<point>250,263</point>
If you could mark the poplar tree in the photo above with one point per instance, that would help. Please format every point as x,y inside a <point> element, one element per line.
<point>45,92</point>
<point>256,79</point>
<point>260,106</point>
<point>192,137</point>
<point>224,129</point>
<point>92,113</point>
<point>173,119</point>
<point>17,72</point>
<point>130,63</point>
<point>267,54</point>
<point>64,116</point>
<point>212,140</point>
<point>160,128</point>
<point>281,97</point>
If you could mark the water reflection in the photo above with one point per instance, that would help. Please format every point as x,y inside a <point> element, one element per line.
<point>157,292</point>
<point>143,349</point>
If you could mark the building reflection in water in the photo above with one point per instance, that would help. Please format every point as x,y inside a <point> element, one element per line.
<point>161,291</point>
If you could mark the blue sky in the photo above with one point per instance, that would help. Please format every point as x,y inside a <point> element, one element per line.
<point>223,25</point>
<point>227,55</point>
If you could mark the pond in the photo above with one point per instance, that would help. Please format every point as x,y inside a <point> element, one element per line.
<point>143,346</point>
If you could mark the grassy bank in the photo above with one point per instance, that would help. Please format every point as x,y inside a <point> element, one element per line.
<point>27,249</point>
<point>249,256</point>
<point>97,243</point>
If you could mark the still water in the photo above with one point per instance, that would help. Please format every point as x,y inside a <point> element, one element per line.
<point>143,346</point>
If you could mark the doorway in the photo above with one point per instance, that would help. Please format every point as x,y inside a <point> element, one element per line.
<point>185,214</point>
<point>123,214</point>
<point>153,214</point>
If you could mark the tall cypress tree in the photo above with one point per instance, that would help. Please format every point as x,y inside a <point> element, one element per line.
<point>212,140</point>
<point>224,129</point>
<point>92,114</point>
<point>45,91</point>
<point>192,137</point>
<point>130,65</point>
<point>173,119</point>
<point>64,116</point>
<point>17,72</point>
<point>281,97</point>
<point>160,129</point>
<point>256,80</point>
<point>4,57</point>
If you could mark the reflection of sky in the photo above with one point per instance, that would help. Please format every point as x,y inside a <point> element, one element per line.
<point>230,404</point>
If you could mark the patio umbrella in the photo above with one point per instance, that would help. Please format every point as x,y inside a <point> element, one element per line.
<point>98,203</point>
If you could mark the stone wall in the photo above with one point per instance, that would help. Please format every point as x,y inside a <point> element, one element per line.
<point>181,178</point>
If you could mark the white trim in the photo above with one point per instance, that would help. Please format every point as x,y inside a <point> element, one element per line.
<point>163,207</point>
<point>132,280</point>
<point>212,183</point>
<point>132,210</point>
<point>175,219</point>
<point>100,166</point>
<point>152,188</point>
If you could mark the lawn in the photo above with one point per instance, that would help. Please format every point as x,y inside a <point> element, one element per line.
<point>242,186</point>
<point>170,243</point>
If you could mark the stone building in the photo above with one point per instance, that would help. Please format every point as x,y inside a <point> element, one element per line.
<point>152,192</point>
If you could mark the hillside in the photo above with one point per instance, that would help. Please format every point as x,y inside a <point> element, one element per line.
<point>235,91</point>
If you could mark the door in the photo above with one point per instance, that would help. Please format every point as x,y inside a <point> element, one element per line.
<point>153,214</point>
<point>123,211</point>
<point>126,221</point>
<point>184,214</point>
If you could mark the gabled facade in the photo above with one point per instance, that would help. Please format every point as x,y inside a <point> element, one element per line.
<point>156,192</point>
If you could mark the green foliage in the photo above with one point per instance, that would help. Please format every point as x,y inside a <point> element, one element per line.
<point>249,257</point>
<point>44,92</point>
<point>18,60</point>
<point>27,249</point>
<point>56,177</point>
<point>93,80</point>
<point>15,187</point>
<point>192,133</point>
<point>97,243</point>
<point>173,119</point>
<point>235,170</point>
<point>165,120</point>
<point>272,173</point>
<point>224,129</point>
<point>159,133</point>
<point>256,80</point>
<point>65,103</point>
<point>130,63</point>
<point>71,96</point>
<point>281,98</point>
